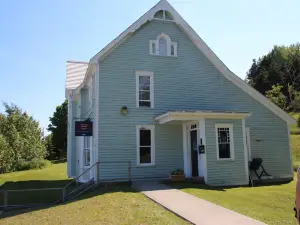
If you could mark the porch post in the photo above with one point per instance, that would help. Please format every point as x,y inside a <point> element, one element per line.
<point>184,147</point>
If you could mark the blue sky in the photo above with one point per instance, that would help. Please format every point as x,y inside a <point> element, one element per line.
<point>38,37</point>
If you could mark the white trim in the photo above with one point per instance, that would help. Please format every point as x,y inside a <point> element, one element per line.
<point>290,149</point>
<point>96,119</point>
<point>78,139</point>
<point>245,151</point>
<point>197,115</point>
<point>175,49</point>
<point>203,137</point>
<point>202,46</point>
<point>69,131</point>
<point>146,74</point>
<point>248,143</point>
<point>151,42</point>
<point>185,149</point>
<point>230,126</point>
<point>152,129</point>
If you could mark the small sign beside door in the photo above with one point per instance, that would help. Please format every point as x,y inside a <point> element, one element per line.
<point>201,149</point>
<point>83,128</point>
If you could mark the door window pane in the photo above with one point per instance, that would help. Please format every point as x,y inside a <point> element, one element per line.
<point>87,157</point>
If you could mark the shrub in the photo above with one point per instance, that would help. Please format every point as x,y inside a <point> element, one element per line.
<point>178,172</point>
<point>33,164</point>
<point>298,121</point>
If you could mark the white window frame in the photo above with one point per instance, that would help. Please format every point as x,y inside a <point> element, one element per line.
<point>230,126</point>
<point>145,74</point>
<point>152,129</point>
<point>169,44</point>
<point>85,149</point>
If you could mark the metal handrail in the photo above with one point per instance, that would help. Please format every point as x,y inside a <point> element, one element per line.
<point>75,179</point>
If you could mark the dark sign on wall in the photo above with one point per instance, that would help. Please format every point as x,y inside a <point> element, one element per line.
<point>83,128</point>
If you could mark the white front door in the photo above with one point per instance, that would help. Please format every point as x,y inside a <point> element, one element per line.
<point>86,159</point>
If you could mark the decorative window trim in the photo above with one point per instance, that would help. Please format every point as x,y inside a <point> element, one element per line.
<point>152,129</point>
<point>230,126</point>
<point>145,74</point>
<point>170,44</point>
<point>164,18</point>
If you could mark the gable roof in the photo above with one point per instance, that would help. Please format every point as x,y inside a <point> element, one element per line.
<point>75,74</point>
<point>201,45</point>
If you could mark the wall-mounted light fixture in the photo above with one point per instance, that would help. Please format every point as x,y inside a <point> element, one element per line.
<point>124,110</point>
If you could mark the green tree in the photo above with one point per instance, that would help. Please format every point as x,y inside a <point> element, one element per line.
<point>20,139</point>
<point>281,66</point>
<point>51,154</point>
<point>276,96</point>
<point>58,128</point>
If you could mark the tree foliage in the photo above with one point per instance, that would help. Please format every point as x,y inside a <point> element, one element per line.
<point>20,139</point>
<point>58,128</point>
<point>276,96</point>
<point>280,67</point>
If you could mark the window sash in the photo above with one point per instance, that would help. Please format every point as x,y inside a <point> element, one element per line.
<point>144,89</point>
<point>145,145</point>
<point>224,139</point>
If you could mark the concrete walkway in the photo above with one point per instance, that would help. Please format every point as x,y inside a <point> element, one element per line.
<point>191,208</point>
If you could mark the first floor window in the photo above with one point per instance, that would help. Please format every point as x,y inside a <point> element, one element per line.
<point>87,151</point>
<point>224,141</point>
<point>145,145</point>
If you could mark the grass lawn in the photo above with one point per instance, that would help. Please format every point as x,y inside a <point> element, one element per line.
<point>117,204</point>
<point>295,140</point>
<point>54,176</point>
<point>269,204</point>
<point>53,172</point>
<point>107,205</point>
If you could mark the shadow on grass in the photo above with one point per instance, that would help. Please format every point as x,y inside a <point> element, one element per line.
<point>47,199</point>
<point>57,161</point>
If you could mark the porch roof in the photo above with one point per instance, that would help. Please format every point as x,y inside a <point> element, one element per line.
<point>173,116</point>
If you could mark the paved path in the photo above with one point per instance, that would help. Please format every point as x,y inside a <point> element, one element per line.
<point>191,208</point>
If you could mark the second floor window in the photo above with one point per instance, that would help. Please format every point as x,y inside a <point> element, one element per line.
<point>163,46</point>
<point>144,89</point>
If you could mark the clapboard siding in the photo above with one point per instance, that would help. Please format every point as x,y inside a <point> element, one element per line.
<point>118,143</point>
<point>187,82</point>
<point>225,172</point>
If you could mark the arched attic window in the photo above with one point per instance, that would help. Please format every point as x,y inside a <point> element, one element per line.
<point>163,15</point>
<point>163,46</point>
